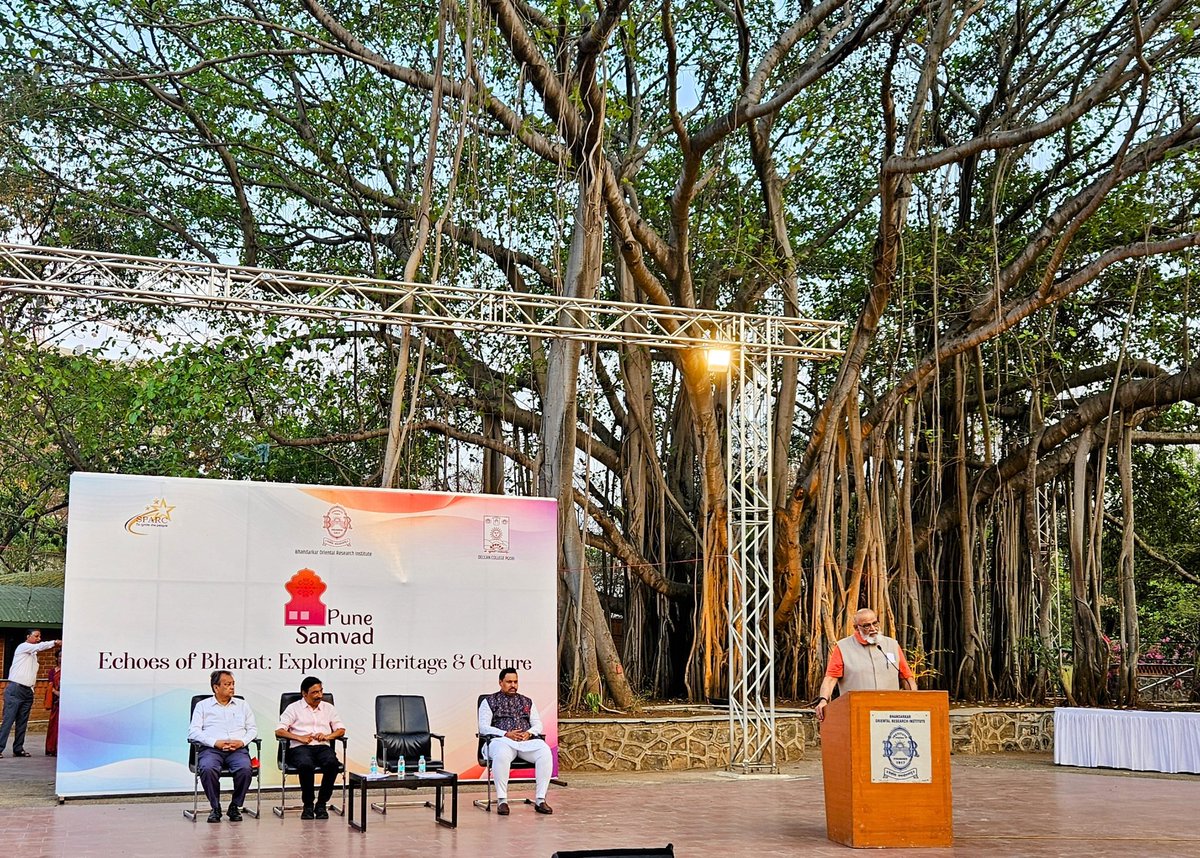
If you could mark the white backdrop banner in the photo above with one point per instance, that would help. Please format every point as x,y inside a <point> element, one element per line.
<point>373,591</point>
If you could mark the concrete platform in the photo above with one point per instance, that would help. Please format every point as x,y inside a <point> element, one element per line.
<point>1007,805</point>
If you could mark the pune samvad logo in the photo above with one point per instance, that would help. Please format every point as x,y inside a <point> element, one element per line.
<point>495,534</point>
<point>156,514</point>
<point>337,524</point>
<point>306,607</point>
<point>900,750</point>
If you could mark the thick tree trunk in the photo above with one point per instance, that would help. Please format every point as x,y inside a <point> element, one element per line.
<point>595,654</point>
<point>1127,598</point>
<point>708,669</point>
<point>493,459</point>
<point>1040,555</point>
<point>420,240</point>
<point>969,667</point>
<point>637,490</point>
<point>1089,666</point>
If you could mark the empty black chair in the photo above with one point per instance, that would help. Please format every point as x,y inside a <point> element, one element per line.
<point>402,730</point>
<point>485,761</point>
<point>286,699</point>
<point>194,753</point>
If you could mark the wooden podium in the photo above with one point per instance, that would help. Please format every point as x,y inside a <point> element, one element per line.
<point>878,792</point>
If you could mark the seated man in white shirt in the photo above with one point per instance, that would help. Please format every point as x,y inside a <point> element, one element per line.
<point>311,726</point>
<point>224,725</point>
<point>514,721</point>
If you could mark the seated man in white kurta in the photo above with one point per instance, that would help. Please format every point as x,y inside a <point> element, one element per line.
<point>513,720</point>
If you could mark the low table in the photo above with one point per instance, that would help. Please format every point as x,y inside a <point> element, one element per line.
<point>438,780</point>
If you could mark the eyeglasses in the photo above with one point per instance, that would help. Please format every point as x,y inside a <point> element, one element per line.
<point>873,625</point>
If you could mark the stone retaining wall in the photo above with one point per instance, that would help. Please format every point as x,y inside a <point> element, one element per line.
<point>985,731</point>
<point>702,741</point>
<point>667,744</point>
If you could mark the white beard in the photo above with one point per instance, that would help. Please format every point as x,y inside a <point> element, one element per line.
<point>873,639</point>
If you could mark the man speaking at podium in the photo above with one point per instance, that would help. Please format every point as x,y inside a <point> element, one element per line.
<point>865,661</point>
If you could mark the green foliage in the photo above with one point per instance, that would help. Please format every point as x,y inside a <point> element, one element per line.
<point>1167,517</point>
<point>216,408</point>
<point>245,132</point>
<point>1037,656</point>
<point>921,666</point>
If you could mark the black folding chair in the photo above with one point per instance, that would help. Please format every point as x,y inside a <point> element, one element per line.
<point>194,755</point>
<point>285,768</point>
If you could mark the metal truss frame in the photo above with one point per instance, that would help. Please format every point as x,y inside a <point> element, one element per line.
<point>755,341</point>
<point>98,276</point>
<point>1046,498</point>
<point>749,424</point>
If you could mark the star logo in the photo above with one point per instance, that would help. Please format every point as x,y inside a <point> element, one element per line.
<point>156,514</point>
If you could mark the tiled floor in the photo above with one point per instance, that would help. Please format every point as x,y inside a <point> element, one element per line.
<point>1002,808</point>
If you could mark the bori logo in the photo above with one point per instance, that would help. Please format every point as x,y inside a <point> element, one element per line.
<point>337,524</point>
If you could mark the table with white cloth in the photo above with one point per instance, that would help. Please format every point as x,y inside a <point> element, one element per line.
<point>1141,741</point>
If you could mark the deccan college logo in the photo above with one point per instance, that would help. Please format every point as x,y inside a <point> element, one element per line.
<point>306,607</point>
<point>900,749</point>
<point>337,524</point>
<point>495,534</point>
<point>156,514</point>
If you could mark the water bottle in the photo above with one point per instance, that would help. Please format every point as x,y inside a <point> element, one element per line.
<point>421,765</point>
<point>400,767</point>
<point>374,767</point>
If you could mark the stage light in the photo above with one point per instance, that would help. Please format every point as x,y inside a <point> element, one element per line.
<point>719,359</point>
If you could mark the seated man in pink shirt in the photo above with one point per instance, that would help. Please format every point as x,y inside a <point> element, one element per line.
<point>311,725</point>
<point>866,660</point>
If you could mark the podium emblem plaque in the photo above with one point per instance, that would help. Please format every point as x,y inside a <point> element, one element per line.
<point>900,747</point>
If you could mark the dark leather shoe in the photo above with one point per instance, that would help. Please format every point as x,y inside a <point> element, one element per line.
<point>234,813</point>
<point>502,809</point>
<point>22,754</point>
<point>321,812</point>
<point>215,816</point>
<point>307,813</point>
<point>542,807</point>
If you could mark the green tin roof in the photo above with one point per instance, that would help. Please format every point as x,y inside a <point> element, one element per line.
<point>30,606</point>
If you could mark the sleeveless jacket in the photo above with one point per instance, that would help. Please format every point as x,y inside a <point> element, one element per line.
<point>868,669</point>
<point>510,712</point>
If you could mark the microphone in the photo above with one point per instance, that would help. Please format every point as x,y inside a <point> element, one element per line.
<point>895,666</point>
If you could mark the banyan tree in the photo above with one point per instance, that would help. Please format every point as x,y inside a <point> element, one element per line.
<point>999,200</point>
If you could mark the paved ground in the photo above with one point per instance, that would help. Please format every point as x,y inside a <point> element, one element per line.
<point>1005,805</point>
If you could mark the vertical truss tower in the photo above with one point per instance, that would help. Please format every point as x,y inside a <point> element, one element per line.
<point>750,424</point>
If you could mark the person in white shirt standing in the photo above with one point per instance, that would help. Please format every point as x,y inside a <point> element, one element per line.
<point>224,725</point>
<point>18,695</point>
<point>311,725</point>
